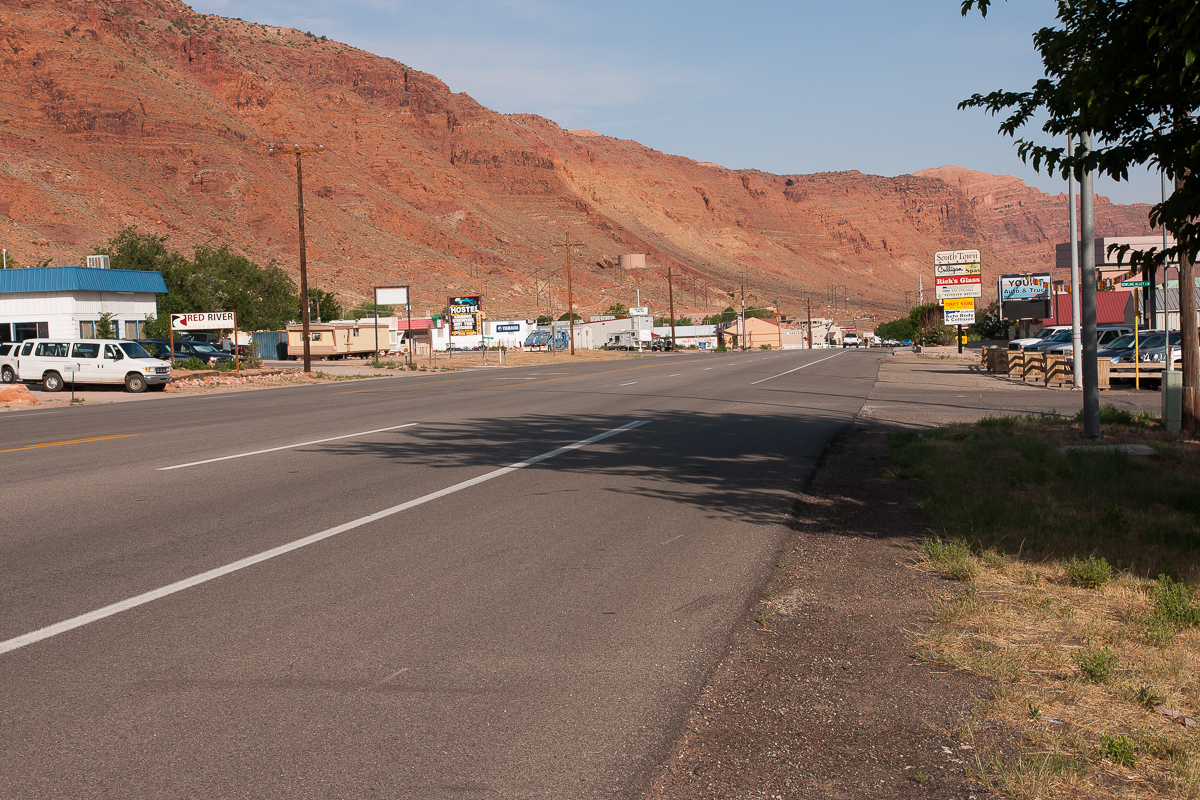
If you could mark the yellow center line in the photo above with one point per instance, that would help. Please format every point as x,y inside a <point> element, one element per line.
<point>70,441</point>
<point>585,375</point>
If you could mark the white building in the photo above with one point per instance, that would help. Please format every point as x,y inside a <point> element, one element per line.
<point>66,302</point>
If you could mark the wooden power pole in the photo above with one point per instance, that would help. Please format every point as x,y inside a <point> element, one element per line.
<point>570,298</point>
<point>671,304</point>
<point>299,151</point>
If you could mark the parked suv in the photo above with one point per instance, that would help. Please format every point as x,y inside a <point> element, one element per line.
<point>54,362</point>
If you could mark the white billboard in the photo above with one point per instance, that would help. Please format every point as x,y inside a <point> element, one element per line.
<point>391,295</point>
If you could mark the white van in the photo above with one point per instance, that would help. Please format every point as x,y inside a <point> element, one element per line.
<point>55,363</point>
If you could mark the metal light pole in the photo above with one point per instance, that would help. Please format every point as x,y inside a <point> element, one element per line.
<point>1091,385</point>
<point>1076,331</point>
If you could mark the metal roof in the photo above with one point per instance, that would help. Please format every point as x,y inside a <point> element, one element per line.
<point>80,279</point>
<point>1112,308</point>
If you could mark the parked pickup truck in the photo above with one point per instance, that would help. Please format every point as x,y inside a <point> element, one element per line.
<point>851,340</point>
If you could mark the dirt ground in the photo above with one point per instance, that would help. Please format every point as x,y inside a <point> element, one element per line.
<point>820,695</point>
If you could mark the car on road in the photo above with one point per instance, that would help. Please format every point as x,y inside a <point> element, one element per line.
<point>56,362</point>
<point>851,340</point>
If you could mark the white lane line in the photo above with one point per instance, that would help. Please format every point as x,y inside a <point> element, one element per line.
<point>631,383</point>
<point>212,574</point>
<point>706,369</point>
<point>790,371</point>
<point>288,447</point>
<point>675,375</point>
<point>673,538</point>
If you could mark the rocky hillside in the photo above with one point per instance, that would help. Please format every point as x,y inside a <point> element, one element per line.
<point>144,113</point>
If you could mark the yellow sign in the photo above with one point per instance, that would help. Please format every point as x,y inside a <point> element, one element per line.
<point>959,304</point>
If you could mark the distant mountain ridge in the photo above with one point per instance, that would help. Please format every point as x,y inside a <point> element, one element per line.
<point>144,113</point>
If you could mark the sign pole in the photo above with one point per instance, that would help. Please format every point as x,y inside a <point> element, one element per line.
<point>960,340</point>
<point>375,295</point>
<point>237,358</point>
<point>408,334</point>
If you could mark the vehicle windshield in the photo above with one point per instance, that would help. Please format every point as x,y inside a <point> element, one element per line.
<point>1153,340</point>
<point>204,348</point>
<point>135,350</point>
<point>1046,333</point>
<point>1124,342</point>
<point>1063,335</point>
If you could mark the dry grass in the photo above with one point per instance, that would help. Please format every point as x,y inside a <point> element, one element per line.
<point>1033,638</point>
<point>1083,674</point>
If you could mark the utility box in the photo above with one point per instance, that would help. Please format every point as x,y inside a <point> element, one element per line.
<point>1172,400</point>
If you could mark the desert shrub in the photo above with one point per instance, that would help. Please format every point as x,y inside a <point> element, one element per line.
<point>1089,573</point>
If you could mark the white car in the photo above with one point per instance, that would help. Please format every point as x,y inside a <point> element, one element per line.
<point>56,362</point>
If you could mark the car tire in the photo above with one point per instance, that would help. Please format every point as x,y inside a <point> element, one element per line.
<point>135,382</point>
<point>8,375</point>
<point>52,382</point>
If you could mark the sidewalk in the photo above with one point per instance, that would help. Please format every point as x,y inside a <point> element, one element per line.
<point>939,388</point>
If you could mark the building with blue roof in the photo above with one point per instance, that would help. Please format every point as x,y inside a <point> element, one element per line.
<point>66,302</point>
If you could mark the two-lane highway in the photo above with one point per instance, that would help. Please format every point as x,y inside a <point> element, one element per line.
<point>500,583</point>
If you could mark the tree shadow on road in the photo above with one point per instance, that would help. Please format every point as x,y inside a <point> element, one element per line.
<point>730,465</point>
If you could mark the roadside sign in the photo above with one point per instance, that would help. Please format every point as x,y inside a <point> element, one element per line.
<point>391,295</point>
<point>959,317</point>
<point>639,311</point>
<point>957,274</point>
<point>955,257</point>
<point>958,303</point>
<point>196,322</point>
<point>1135,284</point>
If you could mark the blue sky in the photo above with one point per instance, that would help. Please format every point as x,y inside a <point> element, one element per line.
<point>785,86</point>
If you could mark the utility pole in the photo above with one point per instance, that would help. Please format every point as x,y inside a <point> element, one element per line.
<point>742,343</point>
<point>570,297</point>
<point>671,302</point>
<point>810,328</point>
<point>304,318</point>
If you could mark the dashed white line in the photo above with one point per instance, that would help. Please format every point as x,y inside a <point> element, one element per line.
<point>675,375</point>
<point>790,371</point>
<point>287,447</point>
<point>212,574</point>
<point>631,383</point>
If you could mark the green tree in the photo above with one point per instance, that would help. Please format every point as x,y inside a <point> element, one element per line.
<point>156,327</point>
<point>928,326</point>
<point>322,305</point>
<point>989,324</point>
<point>618,310</point>
<point>544,319</point>
<point>684,321</point>
<point>105,328</point>
<point>563,318</point>
<point>898,330</point>
<point>214,279</point>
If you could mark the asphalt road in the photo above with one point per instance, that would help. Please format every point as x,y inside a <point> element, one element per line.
<point>286,594</point>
